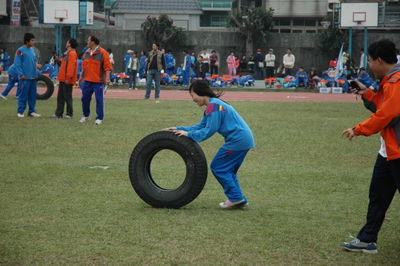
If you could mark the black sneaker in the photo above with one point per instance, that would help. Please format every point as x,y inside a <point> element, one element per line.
<point>358,246</point>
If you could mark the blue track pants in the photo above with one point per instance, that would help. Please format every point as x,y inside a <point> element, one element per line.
<point>225,166</point>
<point>87,91</point>
<point>27,93</point>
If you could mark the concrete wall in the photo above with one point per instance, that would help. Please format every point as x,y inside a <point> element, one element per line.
<point>303,45</point>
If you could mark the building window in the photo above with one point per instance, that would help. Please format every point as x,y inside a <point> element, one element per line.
<point>216,4</point>
<point>218,21</point>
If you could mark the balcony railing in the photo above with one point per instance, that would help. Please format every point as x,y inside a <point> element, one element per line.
<point>216,4</point>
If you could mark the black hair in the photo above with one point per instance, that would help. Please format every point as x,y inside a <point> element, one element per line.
<point>384,49</point>
<point>213,51</point>
<point>185,51</point>
<point>73,43</point>
<point>109,50</point>
<point>158,46</point>
<point>94,39</point>
<point>28,37</point>
<point>202,88</point>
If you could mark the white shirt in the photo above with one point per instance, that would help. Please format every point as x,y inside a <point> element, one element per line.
<point>112,59</point>
<point>362,61</point>
<point>398,59</point>
<point>270,60</point>
<point>382,150</point>
<point>288,60</point>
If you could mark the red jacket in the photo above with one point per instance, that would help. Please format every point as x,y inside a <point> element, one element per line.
<point>95,64</point>
<point>69,67</point>
<point>385,119</point>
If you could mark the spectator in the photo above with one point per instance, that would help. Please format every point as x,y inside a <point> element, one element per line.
<point>143,61</point>
<point>4,59</point>
<point>363,60</point>
<point>79,66</point>
<point>398,57</point>
<point>127,56</point>
<point>301,77</point>
<point>203,67</point>
<point>313,78</point>
<point>259,64</point>
<point>156,63</point>
<point>364,78</point>
<point>231,64</point>
<point>205,61</point>
<point>214,62</point>
<point>333,63</point>
<point>243,65</point>
<point>133,67</point>
<point>47,69</point>
<point>26,66</point>
<point>95,75</point>
<point>67,78</point>
<point>237,63</point>
<point>187,61</point>
<point>169,63</point>
<point>288,61</point>
<point>270,63</point>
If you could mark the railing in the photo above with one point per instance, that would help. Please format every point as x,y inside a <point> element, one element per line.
<point>216,4</point>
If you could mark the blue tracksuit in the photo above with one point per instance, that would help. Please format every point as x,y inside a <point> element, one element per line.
<point>222,118</point>
<point>169,64</point>
<point>186,69</point>
<point>142,66</point>
<point>25,65</point>
<point>12,79</point>
<point>365,79</point>
<point>5,59</point>
<point>88,88</point>
<point>301,77</point>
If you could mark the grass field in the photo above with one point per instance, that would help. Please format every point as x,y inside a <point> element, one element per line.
<point>307,187</point>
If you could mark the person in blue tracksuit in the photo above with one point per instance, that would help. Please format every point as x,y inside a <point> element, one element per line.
<point>4,59</point>
<point>12,79</point>
<point>364,78</point>
<point>25,63</point>
<point>301,77</point>
<point>142,65</point>
<point>187,62</point>
<point>169,63</point>
<point>222,118</point>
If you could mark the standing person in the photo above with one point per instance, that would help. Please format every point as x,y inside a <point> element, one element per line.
<point>155,65</point>
<point>12,79</point>
<point>231,60</point>
<point>288,62</point>
<point>214,63</point>
<point>4,59</point>
<point>398,56</point>
<point>243,65</point>
<point>142,65</point>
<point>112,62</point>
<point>25,62</point>
<point>187,61</point>
<point>127,56</point>
<point>133,67</point>
<point>169,63</point>
<point>259,64</point>
<point>363,61</point>
<point>270,63</point>
<point>385,109</point>
<point>67,78</point>
<point>222,118</point>
<point>95,75</point>
<point>205,61</point>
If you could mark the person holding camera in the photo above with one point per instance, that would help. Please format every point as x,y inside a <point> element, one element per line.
<point>385,119</point>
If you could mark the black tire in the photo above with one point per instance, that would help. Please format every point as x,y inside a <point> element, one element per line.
<point>48,83</point>
<point>143,183</point>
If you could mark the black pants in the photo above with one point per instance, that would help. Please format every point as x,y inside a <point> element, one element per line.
<point>269,72</point>
<point>132,79</point>
<point>385,181</point>
<point>288,71</point>
<point>64,96</point>
<point>213,69</point>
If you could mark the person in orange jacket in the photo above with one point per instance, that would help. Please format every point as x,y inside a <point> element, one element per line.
<point>67,78</point>
<point>95,75</point>
<point>385,119</point>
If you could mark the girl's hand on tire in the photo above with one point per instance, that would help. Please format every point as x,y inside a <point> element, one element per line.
<point>181,133</point>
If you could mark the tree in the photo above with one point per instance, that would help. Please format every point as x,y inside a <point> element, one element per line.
<point>252,23</point>
<point>330,40</point>
<point>162,31</point>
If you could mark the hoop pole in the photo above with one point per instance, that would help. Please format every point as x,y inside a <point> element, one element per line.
<point>58,39</point>
<point>350,42</point>
<point>73,31</point>
<point>365,47</point>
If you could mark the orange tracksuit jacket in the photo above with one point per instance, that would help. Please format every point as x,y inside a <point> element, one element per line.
<point>385,105</point>
<point>95,64</point>
<point>69,67</point>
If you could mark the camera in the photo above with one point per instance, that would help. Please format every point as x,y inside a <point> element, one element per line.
<point>354,85</point>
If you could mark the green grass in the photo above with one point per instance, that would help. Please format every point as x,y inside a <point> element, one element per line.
<point>307,186</point>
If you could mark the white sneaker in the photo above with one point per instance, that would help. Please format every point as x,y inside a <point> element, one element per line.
<point>3,97</point>
<point>84,119</point>
<point>33,114</point>
<point>129,88</point>
<point>98,122</point>
<point>20,115</point>
<point>157,101</point>
<point>135,89</point>
<point>68,117</point>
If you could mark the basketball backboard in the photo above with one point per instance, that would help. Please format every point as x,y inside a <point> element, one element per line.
<point>59,12</point>
<point>358,15</point>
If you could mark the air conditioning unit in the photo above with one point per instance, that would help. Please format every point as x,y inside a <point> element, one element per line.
<point>331,4</point>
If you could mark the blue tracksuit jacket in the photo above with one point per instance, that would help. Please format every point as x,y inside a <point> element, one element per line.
<point>222,118</point>
<point>25,62</point>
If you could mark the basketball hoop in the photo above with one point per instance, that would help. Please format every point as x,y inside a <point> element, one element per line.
<point>359,17</point>
<point>61,14</point>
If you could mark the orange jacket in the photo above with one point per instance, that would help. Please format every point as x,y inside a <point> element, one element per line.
<point>95,64</point>
<point>385,119</point>
<point>69,67</point>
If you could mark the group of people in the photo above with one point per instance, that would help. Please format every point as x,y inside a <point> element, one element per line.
<point>95,74</point>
